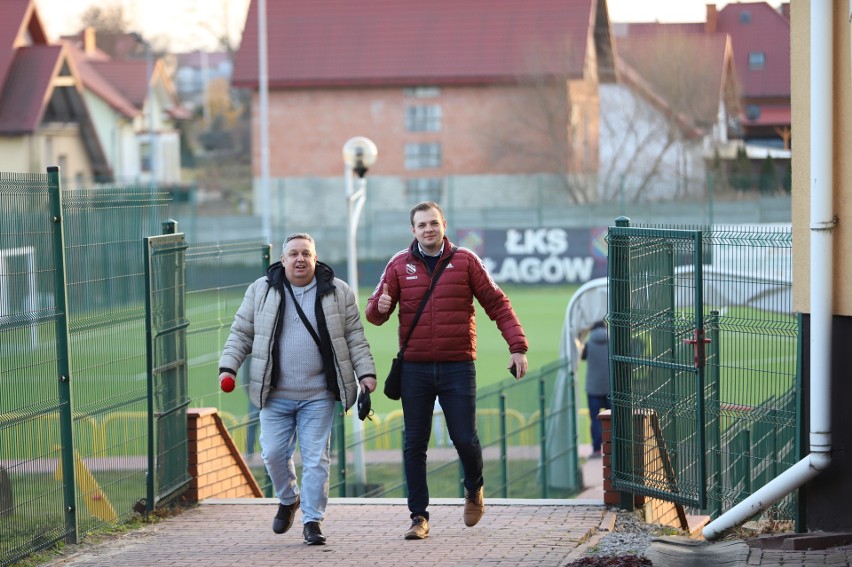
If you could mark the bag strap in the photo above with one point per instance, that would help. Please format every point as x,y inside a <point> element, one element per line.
<point>302,315</point>
<point>425,300</point>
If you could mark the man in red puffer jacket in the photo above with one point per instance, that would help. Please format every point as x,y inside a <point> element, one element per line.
<point>439,357</point>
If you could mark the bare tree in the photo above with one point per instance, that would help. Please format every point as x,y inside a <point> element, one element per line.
<point>112,26</point>
<point>534,125</point>
<point>673,89</point>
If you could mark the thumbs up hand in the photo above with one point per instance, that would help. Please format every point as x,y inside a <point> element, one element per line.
<point>384,303</point>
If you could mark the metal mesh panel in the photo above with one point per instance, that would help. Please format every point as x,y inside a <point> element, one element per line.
<point>512,420</point>
<point>740,429</point>
<point>31,493</point>
<point>167,364</point>
<point>217,275</point>
<point>104,228</point>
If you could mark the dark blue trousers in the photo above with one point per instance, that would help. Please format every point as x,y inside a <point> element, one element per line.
<point>454,385</point>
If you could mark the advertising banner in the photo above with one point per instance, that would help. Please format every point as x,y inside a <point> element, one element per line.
<point>539,255</point>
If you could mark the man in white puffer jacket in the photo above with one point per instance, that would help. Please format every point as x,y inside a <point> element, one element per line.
<point>303,329</point>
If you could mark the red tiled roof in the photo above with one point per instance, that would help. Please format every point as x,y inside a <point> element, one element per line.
<point>95,82</point>
<point>29,78</point>
<point>130,77</point>
<point>411,42</point>
<point>769,32</point>
<point>13,17</point>
<point>645,28</point>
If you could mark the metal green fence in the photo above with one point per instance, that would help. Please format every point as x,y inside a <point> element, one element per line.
<point>514,423</point>
<point>165,334</point>
<point>704,363</point>
<point>72,370</point>
<point>217,275</point>
<point>109,330</point>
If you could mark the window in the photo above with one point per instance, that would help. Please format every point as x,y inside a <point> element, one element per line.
<point>422,156</point>
<point>422,92</point>
<point>145,157</point>
<point>423,118</point>
<point>424,189</point>
<point>756,60</point>
<point>745,17</point>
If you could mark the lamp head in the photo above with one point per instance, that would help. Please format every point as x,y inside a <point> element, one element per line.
<point>360,153</point>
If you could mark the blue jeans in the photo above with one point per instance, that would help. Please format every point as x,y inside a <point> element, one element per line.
<point>454,384</point>
<point>281,423</point>
<point>596,404</point>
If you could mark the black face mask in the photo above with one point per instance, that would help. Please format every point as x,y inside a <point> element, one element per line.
<point>365,406</point>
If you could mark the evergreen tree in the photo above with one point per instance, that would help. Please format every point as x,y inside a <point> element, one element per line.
<point>787,178</point>
<point>742,176</point>
<point>767,182</point>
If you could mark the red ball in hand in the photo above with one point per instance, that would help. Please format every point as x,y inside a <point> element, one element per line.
<point>227,383</point>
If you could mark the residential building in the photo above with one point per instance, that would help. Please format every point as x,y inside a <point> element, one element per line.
<point>822,256</point>
<point>485,104</point>
<point>195,71</point>
<point>666,116</point>
<point>760,42</point>
<point>44,119</point>
<point>135,111</point>
<point>67,103</point>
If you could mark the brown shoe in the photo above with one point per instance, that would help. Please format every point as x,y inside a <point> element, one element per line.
<point>419,528</point>
<point>474,506</point>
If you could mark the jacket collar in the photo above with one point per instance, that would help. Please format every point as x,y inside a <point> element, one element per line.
<point>414,249</point>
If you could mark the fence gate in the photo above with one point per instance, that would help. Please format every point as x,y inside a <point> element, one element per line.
<point>659,352</point>
<point>165,329</point>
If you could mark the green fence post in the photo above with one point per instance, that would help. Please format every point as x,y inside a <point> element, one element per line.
<point>149,365</point>
<point>542,424</point>
<point>714,425</point>
<point>504,461</point>
<point>63,357</point>
<point>620,372</point>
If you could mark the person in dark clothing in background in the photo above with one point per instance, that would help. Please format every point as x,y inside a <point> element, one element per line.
<point>596,355</point>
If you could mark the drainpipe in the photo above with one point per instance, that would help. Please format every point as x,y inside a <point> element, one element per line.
<point>821,280</point>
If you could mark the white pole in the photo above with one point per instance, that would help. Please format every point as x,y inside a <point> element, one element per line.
<point>355,201</point>
<point>263,120</point>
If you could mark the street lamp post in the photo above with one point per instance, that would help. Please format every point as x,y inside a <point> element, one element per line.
<point>359,154</point>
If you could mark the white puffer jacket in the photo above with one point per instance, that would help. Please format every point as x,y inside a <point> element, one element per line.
<point>257,325</point>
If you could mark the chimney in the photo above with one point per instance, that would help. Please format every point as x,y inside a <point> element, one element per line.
<point>712,16</point>
<point>785,10</point>
<point>89,44</point>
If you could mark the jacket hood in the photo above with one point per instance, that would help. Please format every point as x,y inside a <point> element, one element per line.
<point>324,274</point>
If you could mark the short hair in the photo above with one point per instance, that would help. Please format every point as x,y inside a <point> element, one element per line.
<point>425,206</point>
<point>295,236</point>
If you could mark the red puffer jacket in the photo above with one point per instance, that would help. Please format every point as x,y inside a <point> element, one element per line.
<point>446,331</point>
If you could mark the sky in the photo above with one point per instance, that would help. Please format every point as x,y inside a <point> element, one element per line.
<point>187,25</point>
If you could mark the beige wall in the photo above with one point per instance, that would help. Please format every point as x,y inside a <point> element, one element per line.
<point>29,154</point>
<point>800,79</point>
<point>15,154</point>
